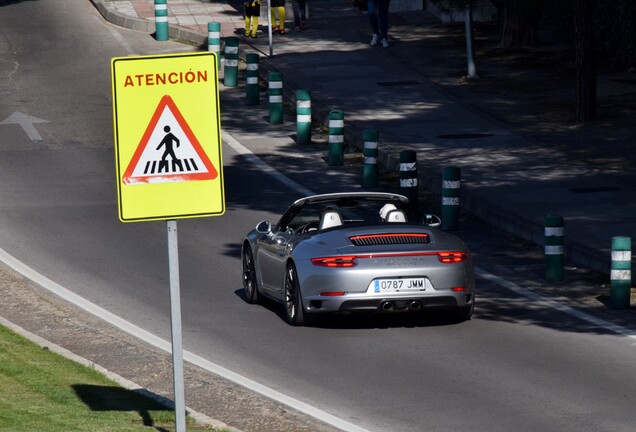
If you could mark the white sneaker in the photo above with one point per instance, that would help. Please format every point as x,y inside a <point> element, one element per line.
<point>385,43</point>
<point>374,39</point>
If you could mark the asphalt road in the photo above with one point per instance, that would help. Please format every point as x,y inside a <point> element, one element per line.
<point>518,365</point>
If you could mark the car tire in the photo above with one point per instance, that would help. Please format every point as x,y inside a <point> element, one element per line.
<point>465,313</point>
<point>250,286</point>
<point>293,301</point>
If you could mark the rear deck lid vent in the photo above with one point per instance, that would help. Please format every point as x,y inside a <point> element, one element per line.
<point>390,239</point>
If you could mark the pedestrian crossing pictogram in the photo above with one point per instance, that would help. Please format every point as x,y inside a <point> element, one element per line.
<point>168,151</point>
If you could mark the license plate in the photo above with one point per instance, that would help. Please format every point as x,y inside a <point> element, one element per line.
<point>401,285</point>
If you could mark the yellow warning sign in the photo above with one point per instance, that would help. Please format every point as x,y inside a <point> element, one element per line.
<point>167,136</point>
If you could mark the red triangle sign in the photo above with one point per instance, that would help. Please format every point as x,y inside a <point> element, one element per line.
<point>168,151</point>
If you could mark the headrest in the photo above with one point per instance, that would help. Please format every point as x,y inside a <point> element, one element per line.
<point>386,209</point>
<point>330,219</point>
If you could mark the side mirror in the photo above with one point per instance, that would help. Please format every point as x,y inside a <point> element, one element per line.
<point>264,227</point>
<point>431,220</point>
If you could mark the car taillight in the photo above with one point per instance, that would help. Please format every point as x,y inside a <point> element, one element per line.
<point>451,257</point>
<point>337,261</point>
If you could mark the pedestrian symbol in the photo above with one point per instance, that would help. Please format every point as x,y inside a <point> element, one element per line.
<point>167,142</point>
<point>168,151</point>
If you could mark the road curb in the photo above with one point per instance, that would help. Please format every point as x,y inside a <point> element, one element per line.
<point>180,34</point>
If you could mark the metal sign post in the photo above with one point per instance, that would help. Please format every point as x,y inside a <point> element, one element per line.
<point>470,40</point>
<point>168,158</point>
<point>269,27</point>
<point>175,320</point>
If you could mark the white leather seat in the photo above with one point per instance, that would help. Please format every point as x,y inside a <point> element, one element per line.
<point>330,219</point>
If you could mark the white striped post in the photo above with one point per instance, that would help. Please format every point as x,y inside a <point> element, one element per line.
<point>230,73</point>
<point>161,20</point>
<point>252,93</point>
<point>451,189</point>
<point>621,273</point>
<point>336,138</point>
<point>370,137</point>
<point>303,116</point>
<point>408,176</point>
<point>553,248</point>
<point>275,93</point>
<point>214,40</point>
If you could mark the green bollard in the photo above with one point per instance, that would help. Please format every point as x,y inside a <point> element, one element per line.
<point>621,273</point>
<point>336,138</point>
<point>230,74</point>
<point>252,93</point>
<point>161,20</point>
<point>214,40</point>
<point>303,116</point>
<point>408,176</point>
<point>370,137</point>
<point>451,189</point>
<point>553,248</point>
<point>275,92</point>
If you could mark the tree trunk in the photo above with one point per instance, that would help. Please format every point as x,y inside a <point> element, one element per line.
<point>585,96</point>
<point>519,23</point>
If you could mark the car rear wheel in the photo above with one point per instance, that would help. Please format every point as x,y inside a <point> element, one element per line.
<point>294,312</point>
<point>464,313</point>
<point>249,277</point>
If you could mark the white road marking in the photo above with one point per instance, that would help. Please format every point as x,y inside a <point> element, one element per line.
<point>538,298</point>
<point>26,123</point>
<point>260,164</point>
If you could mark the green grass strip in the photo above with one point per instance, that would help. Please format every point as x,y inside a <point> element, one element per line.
<point>43,391</point>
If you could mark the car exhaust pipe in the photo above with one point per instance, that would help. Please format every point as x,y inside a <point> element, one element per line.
<point>415,305</point>
<point>387,306</point>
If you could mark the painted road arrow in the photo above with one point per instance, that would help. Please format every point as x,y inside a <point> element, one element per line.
<point>27,123</point>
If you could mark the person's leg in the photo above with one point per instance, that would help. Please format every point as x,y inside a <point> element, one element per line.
<point>281,17</point>
<point>272,19</point>
<point>296,9</point>
<point>372,11</point>
<point>303,15</point>
<point>383,13</point>
<point>247,17</point>
<point>252,12</point>
<point>256,12</point>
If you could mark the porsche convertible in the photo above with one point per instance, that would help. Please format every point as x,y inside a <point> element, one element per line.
<point>357,252</point>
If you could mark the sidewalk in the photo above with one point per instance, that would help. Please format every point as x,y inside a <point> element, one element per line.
<point>507,179</point>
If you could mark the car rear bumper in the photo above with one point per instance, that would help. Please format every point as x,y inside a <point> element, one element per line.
<point>388,304</point>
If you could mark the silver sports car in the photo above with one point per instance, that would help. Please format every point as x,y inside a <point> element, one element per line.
<point>357,252</point>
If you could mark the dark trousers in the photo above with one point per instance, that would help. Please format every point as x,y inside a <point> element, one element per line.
<point>298,6</point>
<point>378,11</point>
